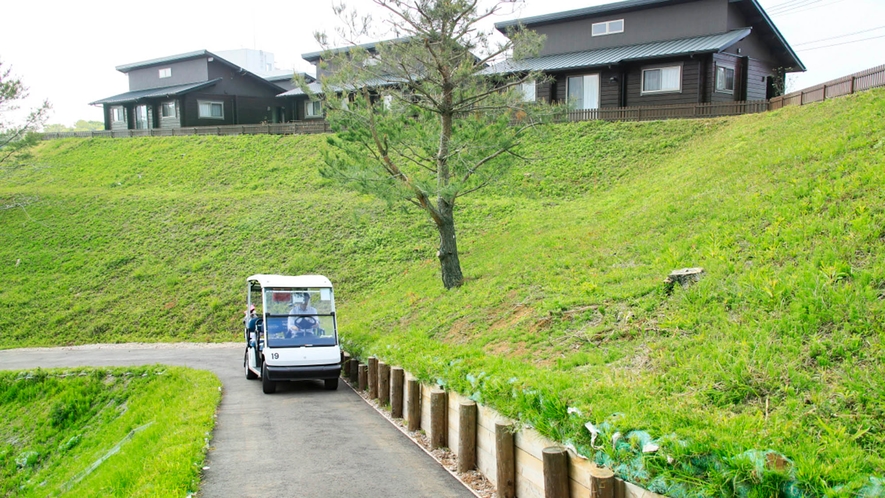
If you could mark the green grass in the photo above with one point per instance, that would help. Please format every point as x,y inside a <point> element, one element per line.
<point>779,347</point>
<point>59,430</point>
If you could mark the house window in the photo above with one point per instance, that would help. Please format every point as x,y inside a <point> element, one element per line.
<point>607,28</point>
<point>117,114</point>
<point>527,88</point>
<point>724,79</point>
<point>313,109</point>
<point>211,110</point>
<point>166,72</point>
<point>167,109</point>
<point>583,91</point>
<point>662,79</point>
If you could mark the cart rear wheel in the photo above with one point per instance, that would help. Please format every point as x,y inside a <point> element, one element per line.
<point>250,375</point>
<point>331,384</point>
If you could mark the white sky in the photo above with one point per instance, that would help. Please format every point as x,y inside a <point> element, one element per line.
<point>66,51</point>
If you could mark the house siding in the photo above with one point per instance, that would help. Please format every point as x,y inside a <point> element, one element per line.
<point>691,79</point>
<point>696,18</point>
<point>609,93</point>
<point>255,109</point>
<point>724,60</point>
<point>190,116</point>
<point>757,74</point>
<point>235,82</point>
<point>183,72</point>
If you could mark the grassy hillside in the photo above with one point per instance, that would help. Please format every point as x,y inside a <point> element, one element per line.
<point>105,432</point>
<point>776,354</point>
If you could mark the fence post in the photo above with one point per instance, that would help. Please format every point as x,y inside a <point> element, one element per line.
<point>396,392</point>
<point>414,398</point>
<point>851,88</point>
<point>383,383</point>
<point>439,429</point>
<point>373,377</point>
<point>555,472</point>
<point>602,482</point>
<point>354,371</point>
<point>363,374</point>
<point>466,436</point>
<point>506,460</point>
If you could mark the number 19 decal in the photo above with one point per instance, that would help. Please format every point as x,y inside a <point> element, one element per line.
<point>275,356</point>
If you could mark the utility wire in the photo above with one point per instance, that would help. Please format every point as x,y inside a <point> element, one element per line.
<point>806,9</point>
<point>837,44</point>
<point>783,5</point>
<point>798,4</point>
<point>840,36</point>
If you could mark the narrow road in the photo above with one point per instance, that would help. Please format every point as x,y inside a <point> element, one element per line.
<point>302,441</point>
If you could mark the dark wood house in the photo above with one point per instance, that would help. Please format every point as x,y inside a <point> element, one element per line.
<point>657,52</point>
<point>192,89</point>
<point>299,104</point>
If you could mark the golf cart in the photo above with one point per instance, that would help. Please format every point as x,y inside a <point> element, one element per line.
<point>291,331</point>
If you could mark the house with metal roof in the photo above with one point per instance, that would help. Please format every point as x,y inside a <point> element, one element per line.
<point>192,89</point>
<point>656,52</point>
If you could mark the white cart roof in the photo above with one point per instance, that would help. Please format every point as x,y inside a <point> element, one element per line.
<point>283,281</point>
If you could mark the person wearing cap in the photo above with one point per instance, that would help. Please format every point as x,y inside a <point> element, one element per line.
<point>302,316</point>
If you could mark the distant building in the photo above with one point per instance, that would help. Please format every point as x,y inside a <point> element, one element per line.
<point>656,52</point>
<point>192,89</point>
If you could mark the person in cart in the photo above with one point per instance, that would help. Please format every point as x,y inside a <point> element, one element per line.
<point>302,316</point>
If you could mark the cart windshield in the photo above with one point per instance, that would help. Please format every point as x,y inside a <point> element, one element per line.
<point>300,317</point>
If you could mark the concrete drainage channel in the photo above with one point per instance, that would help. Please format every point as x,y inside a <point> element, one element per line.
<point>478,446</point>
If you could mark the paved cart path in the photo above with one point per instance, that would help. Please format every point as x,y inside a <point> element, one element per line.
<point>302,441</point>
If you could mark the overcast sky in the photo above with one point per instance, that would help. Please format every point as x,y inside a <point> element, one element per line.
<point>66,51</point>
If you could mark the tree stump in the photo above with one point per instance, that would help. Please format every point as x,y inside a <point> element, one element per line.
<point>684,277</point>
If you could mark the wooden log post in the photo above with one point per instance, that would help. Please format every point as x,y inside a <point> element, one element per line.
<point>414,397</point>
<point>602,482</point>
<point>373,378</point>
<point>620,488</point>
<point>345,367</point>
<point>363,376</point>
<point>354,372</point>
<point>466,436</point>
<point>438,424</point>
<point>555,472</point>
<point>396,392</point>
<point>506,460</point>
<point>383,383</point>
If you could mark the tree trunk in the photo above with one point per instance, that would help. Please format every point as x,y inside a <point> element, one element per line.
<point>448,248</point>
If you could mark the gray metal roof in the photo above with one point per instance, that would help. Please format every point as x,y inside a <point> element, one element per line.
<point>154,93</point>
<point>314,87</point>
<point>317,88</point>
<point>615,55</point>
<point>125,68</point>
<point>315,56</point>
<point>584,12</point>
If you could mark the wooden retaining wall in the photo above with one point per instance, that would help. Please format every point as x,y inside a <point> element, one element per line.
<point>529,448</point>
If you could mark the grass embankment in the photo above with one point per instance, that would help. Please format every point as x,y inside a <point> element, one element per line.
<point>778,348</point>
<point>139,431</point>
